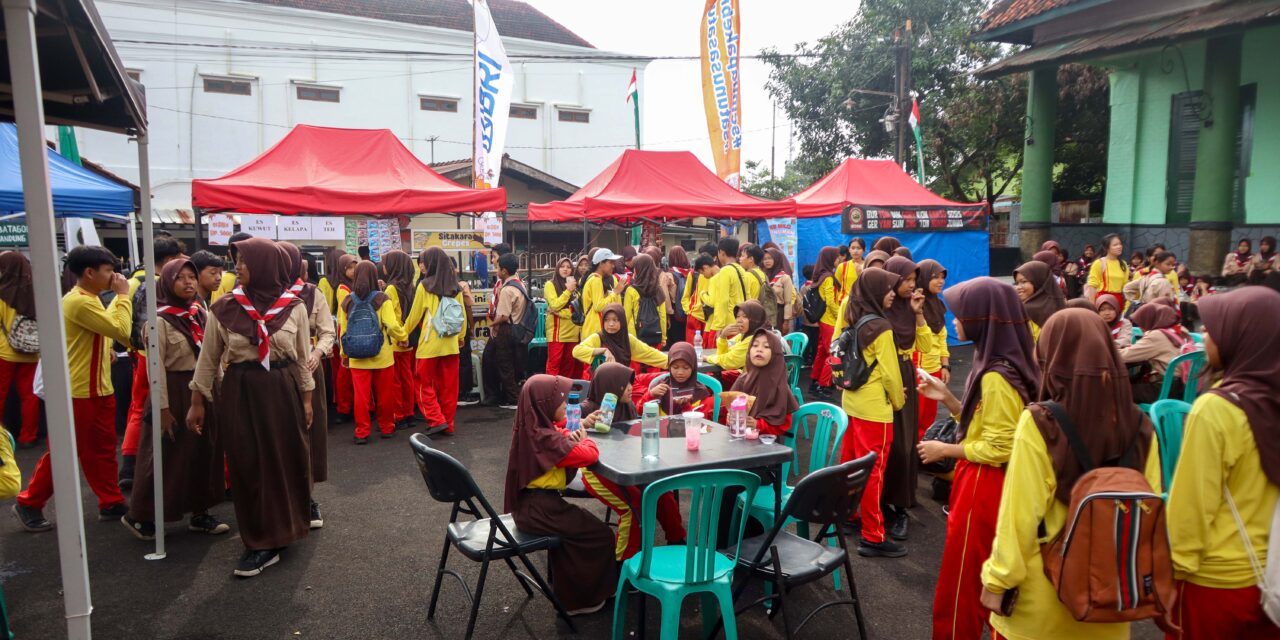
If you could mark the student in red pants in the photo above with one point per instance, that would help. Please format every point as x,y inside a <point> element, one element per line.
<point>562,333</point>
<point>343,394</point>
<point>936,360</point>
<point>376,374</point>
<point>437,355</point>
<point>824,275</point>
<point>17,298</point>
<point>90,329</point>
<point>400,274</point>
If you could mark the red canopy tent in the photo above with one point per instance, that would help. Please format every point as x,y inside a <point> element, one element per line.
<point>881,189</point>
<point>340,171</point>
<point>657,185</point>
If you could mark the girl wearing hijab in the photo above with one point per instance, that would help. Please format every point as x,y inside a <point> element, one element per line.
<point>599,290</point>
<point>616,344</point>
<point>543,458</point>
<point>1004,378</point>
<point>343,391</point>
<point>678,271</point>
<point>375,374</point>
<point>871,406</point>
<point>681,391</point>
<point>666,282</point>
<point>877,259</point>
<point>936,358</point>
<point>887,244</point>
<point>401,279</point>
<point>1080,370</point>
<point>437,355</point>
<point>1162,340</point>
<point>1040,296</point>
<point>583,268</point>
<point>1230,465</point>
<point>1266,261</point>
<point>910,334</point>
<point>260,330</point>
<point>1055,268</point>
<point>1236,266</point>
<point>777,272</point>
<point>1081,276</point>
<point>733,342</point>
<point>645,284</point>
<point>332,276</point>
<point>824,274</point>
<point>1121,329</point>
<point>562,333</point>
<point>771,402</point>
<point>847,272</point>
<point>17,298</point>
<point>1109,273</point>
<point>194,479</point>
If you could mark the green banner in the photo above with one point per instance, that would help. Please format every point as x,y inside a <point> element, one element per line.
<point>13,234</point>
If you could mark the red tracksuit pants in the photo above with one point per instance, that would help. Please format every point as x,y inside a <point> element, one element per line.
<point>709,339</point>
<point>24,375</point>
<point>862,437</point>
<point>95,425</point>
<point>375,389</point>
<point>971,529</point>
<point>927,409</point>
<point>692,325</point>
<point>560,360</point>
<point>404,383</point>
<point>438,389</point>
<point>1206,613</point>
<point>139,400</point>
<point>343,394</point>
<point>613,496</point>
<point>821,372</point>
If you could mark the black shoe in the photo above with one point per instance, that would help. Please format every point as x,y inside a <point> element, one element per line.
<point>886,549</point>
<point>126,472</point>
<point>145,531</point>
<point>206,523</point>
<point>253,562</point>
<point>28,445</point>
<point>32,519</point>
<point>813,387</point>
<point>468,400</point>
<point>113,512</point>
<point>852,526</point>
<point>360,440</point>
<point>388,434</point>
<point>340,418</point>
<point>405,424</point>
<point>897,528</point>
<point>941,490</point>
<point>317,520</point>
<point>434,429</point>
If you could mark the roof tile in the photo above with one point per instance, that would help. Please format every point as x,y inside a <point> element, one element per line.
<point>1006,12</point>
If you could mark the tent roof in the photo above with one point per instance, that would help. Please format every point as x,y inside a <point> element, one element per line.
<point>340,172</point>
<point>660,185</point>
<point>77,192</point>
<point>869,183</point>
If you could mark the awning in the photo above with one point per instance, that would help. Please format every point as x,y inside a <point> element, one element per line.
<point>77,192</point>
<point>869,185</point>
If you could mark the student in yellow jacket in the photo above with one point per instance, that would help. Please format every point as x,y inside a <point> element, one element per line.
<point>437,355</point>
<point>1080,369</point>
<point>824,276</point>
<point>1109,273</point>
<point>1229,448</point>
<point>17,297</point>
<point>401,277</point>
<point>935,359</point>
<point>616,344</point>
<point>562,333</point>
<point>733,343</point>
<point>332,278</point>
<point>704,269</point>
<point>375,374</point>
<point>729,287</point>
<point>599,290</point>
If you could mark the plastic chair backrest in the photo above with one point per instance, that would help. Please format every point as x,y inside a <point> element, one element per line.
<point>826,496</point>
<point>1197,338</point>
<point>826,436</point>
<point>450,482</point>
<point>707,380</point>
<point>794,363</point>
<point>1168,417</point>
<point>797,342</point>
<point>1197,362</point>
<point>706,493</point>
<point>540,331</point>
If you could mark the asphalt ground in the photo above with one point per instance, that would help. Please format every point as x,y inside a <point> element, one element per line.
<point>368,573</point>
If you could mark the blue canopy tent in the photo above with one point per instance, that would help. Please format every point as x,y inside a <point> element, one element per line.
<point>77,192</point>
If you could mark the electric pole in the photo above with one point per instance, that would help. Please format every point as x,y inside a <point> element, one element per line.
<point>902,47</point>
<point>432,140</point>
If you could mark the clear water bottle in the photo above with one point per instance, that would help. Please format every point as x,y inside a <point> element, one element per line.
<point>738,418</point>
<point>649,431</point>
<point>607,406</point>
<point>573,413</point>
<point>697,344</point>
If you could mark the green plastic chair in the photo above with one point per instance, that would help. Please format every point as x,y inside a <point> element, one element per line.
<point>1197,338</point>
<point>1168,417</point>
<point>706,379</point>
<point>797,342</point>
<point>1197,360</point>
<point>794,364</point>
<point>540,332</point>
<point>671,573</point>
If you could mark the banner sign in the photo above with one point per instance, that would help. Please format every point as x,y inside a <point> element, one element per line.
<point>782,231</point>
<point>495,82</point>
<point>491,226</point>
<point>381,236</point>
<point>721,89</point>
<point>295,227</point>
<point>262,226</point>
<point>857,219</point>
<point>457,240</point>
<point>221,227</point>
<point>328,228</point>
<point>13,234</point>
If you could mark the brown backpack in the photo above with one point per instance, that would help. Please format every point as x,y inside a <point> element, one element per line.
<point>1111,561</point>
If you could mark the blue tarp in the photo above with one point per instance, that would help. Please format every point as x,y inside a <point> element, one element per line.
<point>965,254</point>
<point>77,192</point>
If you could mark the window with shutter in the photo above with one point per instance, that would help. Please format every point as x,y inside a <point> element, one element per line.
<point>1184,137</point>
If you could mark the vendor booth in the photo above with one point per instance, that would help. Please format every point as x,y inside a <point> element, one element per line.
<point>77,192</point>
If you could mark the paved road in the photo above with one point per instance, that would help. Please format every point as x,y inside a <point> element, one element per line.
<point>368,573</point>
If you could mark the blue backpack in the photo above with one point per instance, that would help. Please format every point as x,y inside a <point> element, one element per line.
<point>363,337</point>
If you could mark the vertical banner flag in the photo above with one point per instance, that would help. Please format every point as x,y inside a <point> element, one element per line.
<point>494,84</point>
<point>633,96</point>
<point>914,119</point>
<point>720,86</point>
<point>782,231</point>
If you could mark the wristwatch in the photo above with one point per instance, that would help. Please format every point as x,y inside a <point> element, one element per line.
<point>947,367</point>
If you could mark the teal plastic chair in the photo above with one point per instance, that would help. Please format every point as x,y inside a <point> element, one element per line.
<point>540,332</point>
<point>797,342</point>
<point>1197,338</point>
<point>1197,360</point>
<point>794,363</point>
<point>671,573</point>
<point>706,379</point>
<point>1168,417</point>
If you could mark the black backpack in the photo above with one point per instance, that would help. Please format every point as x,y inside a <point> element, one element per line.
<point>648,322</point>
<point>139,317</point>
<point>523,330</point>
<point>848,368</point>
<point>814,306</point>
<point>676,305</point>
<point>576,313</point>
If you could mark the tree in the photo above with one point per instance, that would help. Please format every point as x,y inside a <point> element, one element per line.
<point>759,181</point>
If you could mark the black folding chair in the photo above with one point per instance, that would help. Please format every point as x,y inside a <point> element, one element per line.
<point>824,497</point>
<point>480,539</point>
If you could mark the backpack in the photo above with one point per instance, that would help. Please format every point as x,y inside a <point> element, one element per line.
<point>24,335</point>
<point>1269,575</point>
<point>449,318</point>
<point>648,322</point>
<point>814,306</point>
<point>769,300</point>
<point>139,316</point>
<point>523,330</point>
<point>849,369</point>
<point>1111,561</point>
<point>363,336</point>
<point>577,314</point>
<point>677,305</point>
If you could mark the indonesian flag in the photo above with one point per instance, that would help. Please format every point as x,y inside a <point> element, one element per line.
<point>914,120</point>
<point>633,92</point>
<point>633,97</point>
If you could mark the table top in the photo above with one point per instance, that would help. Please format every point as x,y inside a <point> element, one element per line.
<point>707,367</point>
<point>621,462</point>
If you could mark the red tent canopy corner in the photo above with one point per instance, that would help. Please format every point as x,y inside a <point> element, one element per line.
<point>873,184</point>
<point>657,185</point>
<point>334,171</point>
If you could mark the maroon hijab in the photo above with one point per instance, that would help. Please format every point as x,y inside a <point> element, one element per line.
<point>900,314</point>
<point>867,298</point>
<point>1056,266</point>
<point>17,287</point>
<point>993,318</point>
<point>825,265</point>
<point>678,258</point>
<point>269,277</point>
<point>875,256</point>
<point>1152,317</point>
<point>887,244</point>
<point>165,296</point>
<point>768,384</point>
<point>365,284</point>
<point>1046,298</point>
<point>537,446</point>
<point>935,312</point>
<point>308,293</point>
<point>683,352</point>
<point>619,344</point>
<point>612,377</point>
<point>780,263</point>
<point>1242,323</point>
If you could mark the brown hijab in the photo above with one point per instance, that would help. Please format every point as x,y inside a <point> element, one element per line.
<point>17,288</point>
<point>400,272</point>
<point>1046,298</point>
<point>825,265</point>
<point>1056,265</point>
<point>645,278</point>
<point>768,384</point>
<point>993,318</point>
<point>875,256</point>
<point>780,263</point>
<point>332,273</point>
<point>165,296</point>
<point>900,314</point>
<point>537,446</point>
<point>345,260</point>
<point>439,276</point>
<point>678,258</point>
<point>902,251</point>
<point>559,282</point>
<point>269,277</point>
<point>299,269</point>
<point>683,352</point>
<point>755,313</point>
<point>887,244</point>
<point>868,297</point>
<point>366,284</point>
<point>1083,372</point>
<point>935,312</point>
<point>1151,317</point>
<point>612,377</point>
<point>1242,325</point>
<point>619,344</point>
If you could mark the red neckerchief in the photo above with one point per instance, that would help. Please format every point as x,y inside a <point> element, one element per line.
<point>197,331</point>
<point>298,286</point>
<point>493,299</point>
<point>264,346</point>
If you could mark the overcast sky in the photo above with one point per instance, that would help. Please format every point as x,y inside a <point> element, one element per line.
<point>672,116</point>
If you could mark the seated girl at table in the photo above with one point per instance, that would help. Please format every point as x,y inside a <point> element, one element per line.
<point>616,344</point>
<point>733,341</point>
<point>614,378</point>
<point>681,391</point>
<point>770,401</point>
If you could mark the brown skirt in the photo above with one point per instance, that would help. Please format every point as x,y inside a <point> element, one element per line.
<point>583,571</point>
<point>903,463</point>
<point>193,477</point>
<point>268,453</point>
<point>319,429</point>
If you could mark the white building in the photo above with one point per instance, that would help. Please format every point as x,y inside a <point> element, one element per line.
<point>225,79</point>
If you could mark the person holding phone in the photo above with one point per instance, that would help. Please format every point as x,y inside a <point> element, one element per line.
<point>681,391</point>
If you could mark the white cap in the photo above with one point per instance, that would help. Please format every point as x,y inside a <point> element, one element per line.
<point>604,254</point>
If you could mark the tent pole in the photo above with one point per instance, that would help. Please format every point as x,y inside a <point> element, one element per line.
<point>24,64</point>
<point>199,213</point>
<point>528,246</point>
<point>153,344</point>
<point>131,231</point>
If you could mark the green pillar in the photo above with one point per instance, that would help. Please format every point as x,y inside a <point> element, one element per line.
<point>1037,164</point>
<point>1216,158</point>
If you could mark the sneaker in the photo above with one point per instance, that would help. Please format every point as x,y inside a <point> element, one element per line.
<point>359,440</point>
<point>126,472</point>
<point>508,407</point>
<point>388,434</point>
<point>468,401</point>
<point>254,561</point>
<point>32,519</point>
<point>886,549</point>
<point>406,423</point>
<point>433,430</point>
<point>317,520</point>
<point>206,523</point>
<point>587,610</point>
<point>113,512</point>
<point>145,531</point>
<point>897,528</point>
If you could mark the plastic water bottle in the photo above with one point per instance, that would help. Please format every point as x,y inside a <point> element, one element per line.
<point>573,413</point>
<point>738,418</point>
<point>697,344</point>
<point>649,442</point>
<point>607,407</point>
